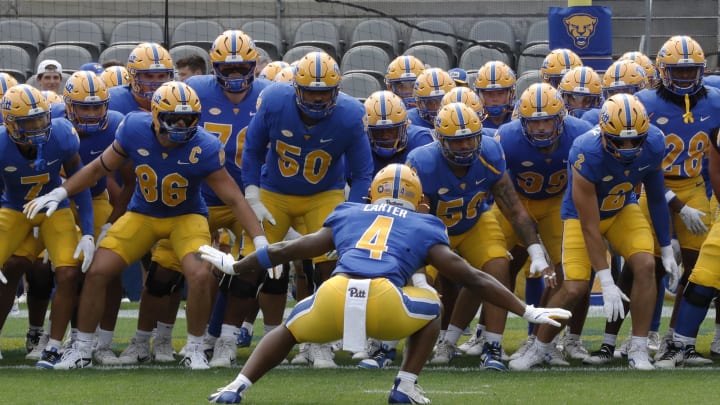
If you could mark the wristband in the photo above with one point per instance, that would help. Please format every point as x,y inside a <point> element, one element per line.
<point>263,257</point>
<point>669,195</point>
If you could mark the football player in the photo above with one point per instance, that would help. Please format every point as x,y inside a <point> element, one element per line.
<point>623,76</point>
<point>299,139</point>
<point>581,90</point>
<point>556,64</point>
<point>607,163</point>
<point>171,156</point>
<point>34,149</point>
<point>429,88</point>
<point>381,246</point>
<point>401,75</point>
<point>495,84</point>
<point>149,66</point>
<point>457,172</point>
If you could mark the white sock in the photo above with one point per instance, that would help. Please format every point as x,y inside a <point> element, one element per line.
<point>639,341</point>
<point>239,381</point>
<point>390,344</point>
<point>544,347</point>
<point>248,326</point>
<point>493,337</point>
<point>717,331</point>
<point>685,340</point>
<point>142,336</point>
<point>610,339</point>
<point>228,331</point>
<point>194,340</point>
<point>105,337</point>
<point>53,343</point>
<point>573,336</point>
<point>453,334</point>
<point>268,328</point>
<point>164,330</point>
<point>407,377</point>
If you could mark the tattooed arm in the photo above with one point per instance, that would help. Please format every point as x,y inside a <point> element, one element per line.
<point>507,200</point>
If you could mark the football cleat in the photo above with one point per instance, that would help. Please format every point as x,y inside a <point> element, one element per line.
<point>135,353</point>
<point>715,346</point>
<point>474,345</point>
<point>693,358</point>
<point>303,356</point>
<point>32,339</point>
<point>195,358</point>
<point>404,393</point>
<point>371,346</point>
<point>225,352</point>
<point>244,338</point>
<point>162,350</point>
<point>531,358</point>
<point>105,356</point>
<point>48,359</point>
<point>524,348</point>
<point>653,341</point>
<point>672,357</point>
<point>491,357</point>
<point>639,359</point>
<point>381,359</point>
<point>74,358</point>
<point>555,357</point>
<point>227,395</point>
<point>37,350</point>
<point>602,356</point>
<point>573,348</point>
<point>622,350</point>
<point>322,356</point>
<point>444,352</point>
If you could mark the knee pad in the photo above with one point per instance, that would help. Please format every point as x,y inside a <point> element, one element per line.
<point>698,295</point>
<point>238,288</point>
<point>276,286</point>
<point>161,288</point>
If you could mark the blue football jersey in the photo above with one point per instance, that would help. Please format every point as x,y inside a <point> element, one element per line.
<point>538,176</point>
<point>592,116</point>
<point>685,143</point>
<point>122,100</point>
<point>93,145</point>
<point>458,202</point>
<point>380,240</point>
<point>22,180</point>
<point>302,159</point>
<point>614,181</point>
<point>168,180</point>
<point>57,110</point>
<point>226,120</point>
<point>415,119</point>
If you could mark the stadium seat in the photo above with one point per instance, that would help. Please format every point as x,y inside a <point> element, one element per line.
<point>422,36</point>
<point>181,51</point>
<point>22,33</point>
<point>201,33</point>
<point>493,33</point>
<point>298,52</point>
<point>365,59</point>
<point>525,80</point>
<point>477,55</point>
<point>430,55</point>
<point>532,57</point>
<point>359,85</point>
<point>16,61</point>
<point>321,34</point>
<point>538,33</point>
<point>380,33</point>
<point>266,35</point>
<point>137,31</point>
<point>82,33</point>
<point>119,53</point>
<point>71,56</point>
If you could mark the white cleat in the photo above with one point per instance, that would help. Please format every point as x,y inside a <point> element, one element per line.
<point>302,358</point>
<point>105,356</point>
<point>225,352</point>
<point>531,358</point>
<point>573,348</point>
<point>639,359</point>
<point>135,353</point>
<point>444,352</point>
<point>322,355</point>
<point>36,351</point>
<point>195,358</point>
<point>74,358</point>
<point>162,350</point>
<point>474,345</point>
<point>522,349</point>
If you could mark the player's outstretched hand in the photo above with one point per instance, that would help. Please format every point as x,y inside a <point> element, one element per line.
<point>223,261</point>
<point>546,315</point>
<point>50,201</point>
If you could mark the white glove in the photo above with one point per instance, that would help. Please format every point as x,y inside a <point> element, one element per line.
<point>2,278</point>
<point>332,255</point>
<point>86,246</point>
<point>677,251</point>
<point>252,195</point>
<point>545,315</point>
<point>693,220</point>
<point>46,257</point>
<point>274,272</point>
<point>671,267</point>
<point>420,281</point>
<point>538,262</point>
<point>103,233</point>
<point>612,296</point>
<point>223,261</point>
<point>49,201</point>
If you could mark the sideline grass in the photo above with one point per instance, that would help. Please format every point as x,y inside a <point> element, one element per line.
<point>463,383</point>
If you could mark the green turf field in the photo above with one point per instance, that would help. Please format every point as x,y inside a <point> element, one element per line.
<point>463,383</point>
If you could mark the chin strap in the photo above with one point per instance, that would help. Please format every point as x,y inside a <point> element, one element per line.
<point>40,164</point>
<point>688,117</point>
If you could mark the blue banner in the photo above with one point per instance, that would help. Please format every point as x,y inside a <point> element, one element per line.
<point>586,30</point>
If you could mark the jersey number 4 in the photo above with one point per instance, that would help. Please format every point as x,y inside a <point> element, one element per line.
<point>376,236</point>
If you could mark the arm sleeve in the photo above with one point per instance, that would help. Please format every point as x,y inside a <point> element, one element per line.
<point>83,201</point>
<point>255,148</point>
<point>659,211</point>
<point>359,159</point>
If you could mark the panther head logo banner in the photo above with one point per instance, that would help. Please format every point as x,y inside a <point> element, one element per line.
<point>581,28</point>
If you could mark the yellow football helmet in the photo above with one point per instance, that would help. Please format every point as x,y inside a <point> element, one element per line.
<point>272,69</point>
<point>641,59</point>
<point>624,124</point>
<point>429,89</point>
<point>556,64</point>
<point>396,184</point>
<point>400,77</point>
<point>286,75</point>
<point>458,130</point>
<point>149,58</point>
<point>85,89</point>
<point>581,90</point>
<point>541,102</point>
<point>468,97</point>
<point>234,51</point>
<point>387,123</point>
<point>6,81</point>
<point>623,76</point>
<point>52,97</point>
<point>496,76</point>
<point>317,84</point>
<point>681,64</point>
<point>26,115</point>
<point>115,76</point>
<point>176,111</point>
